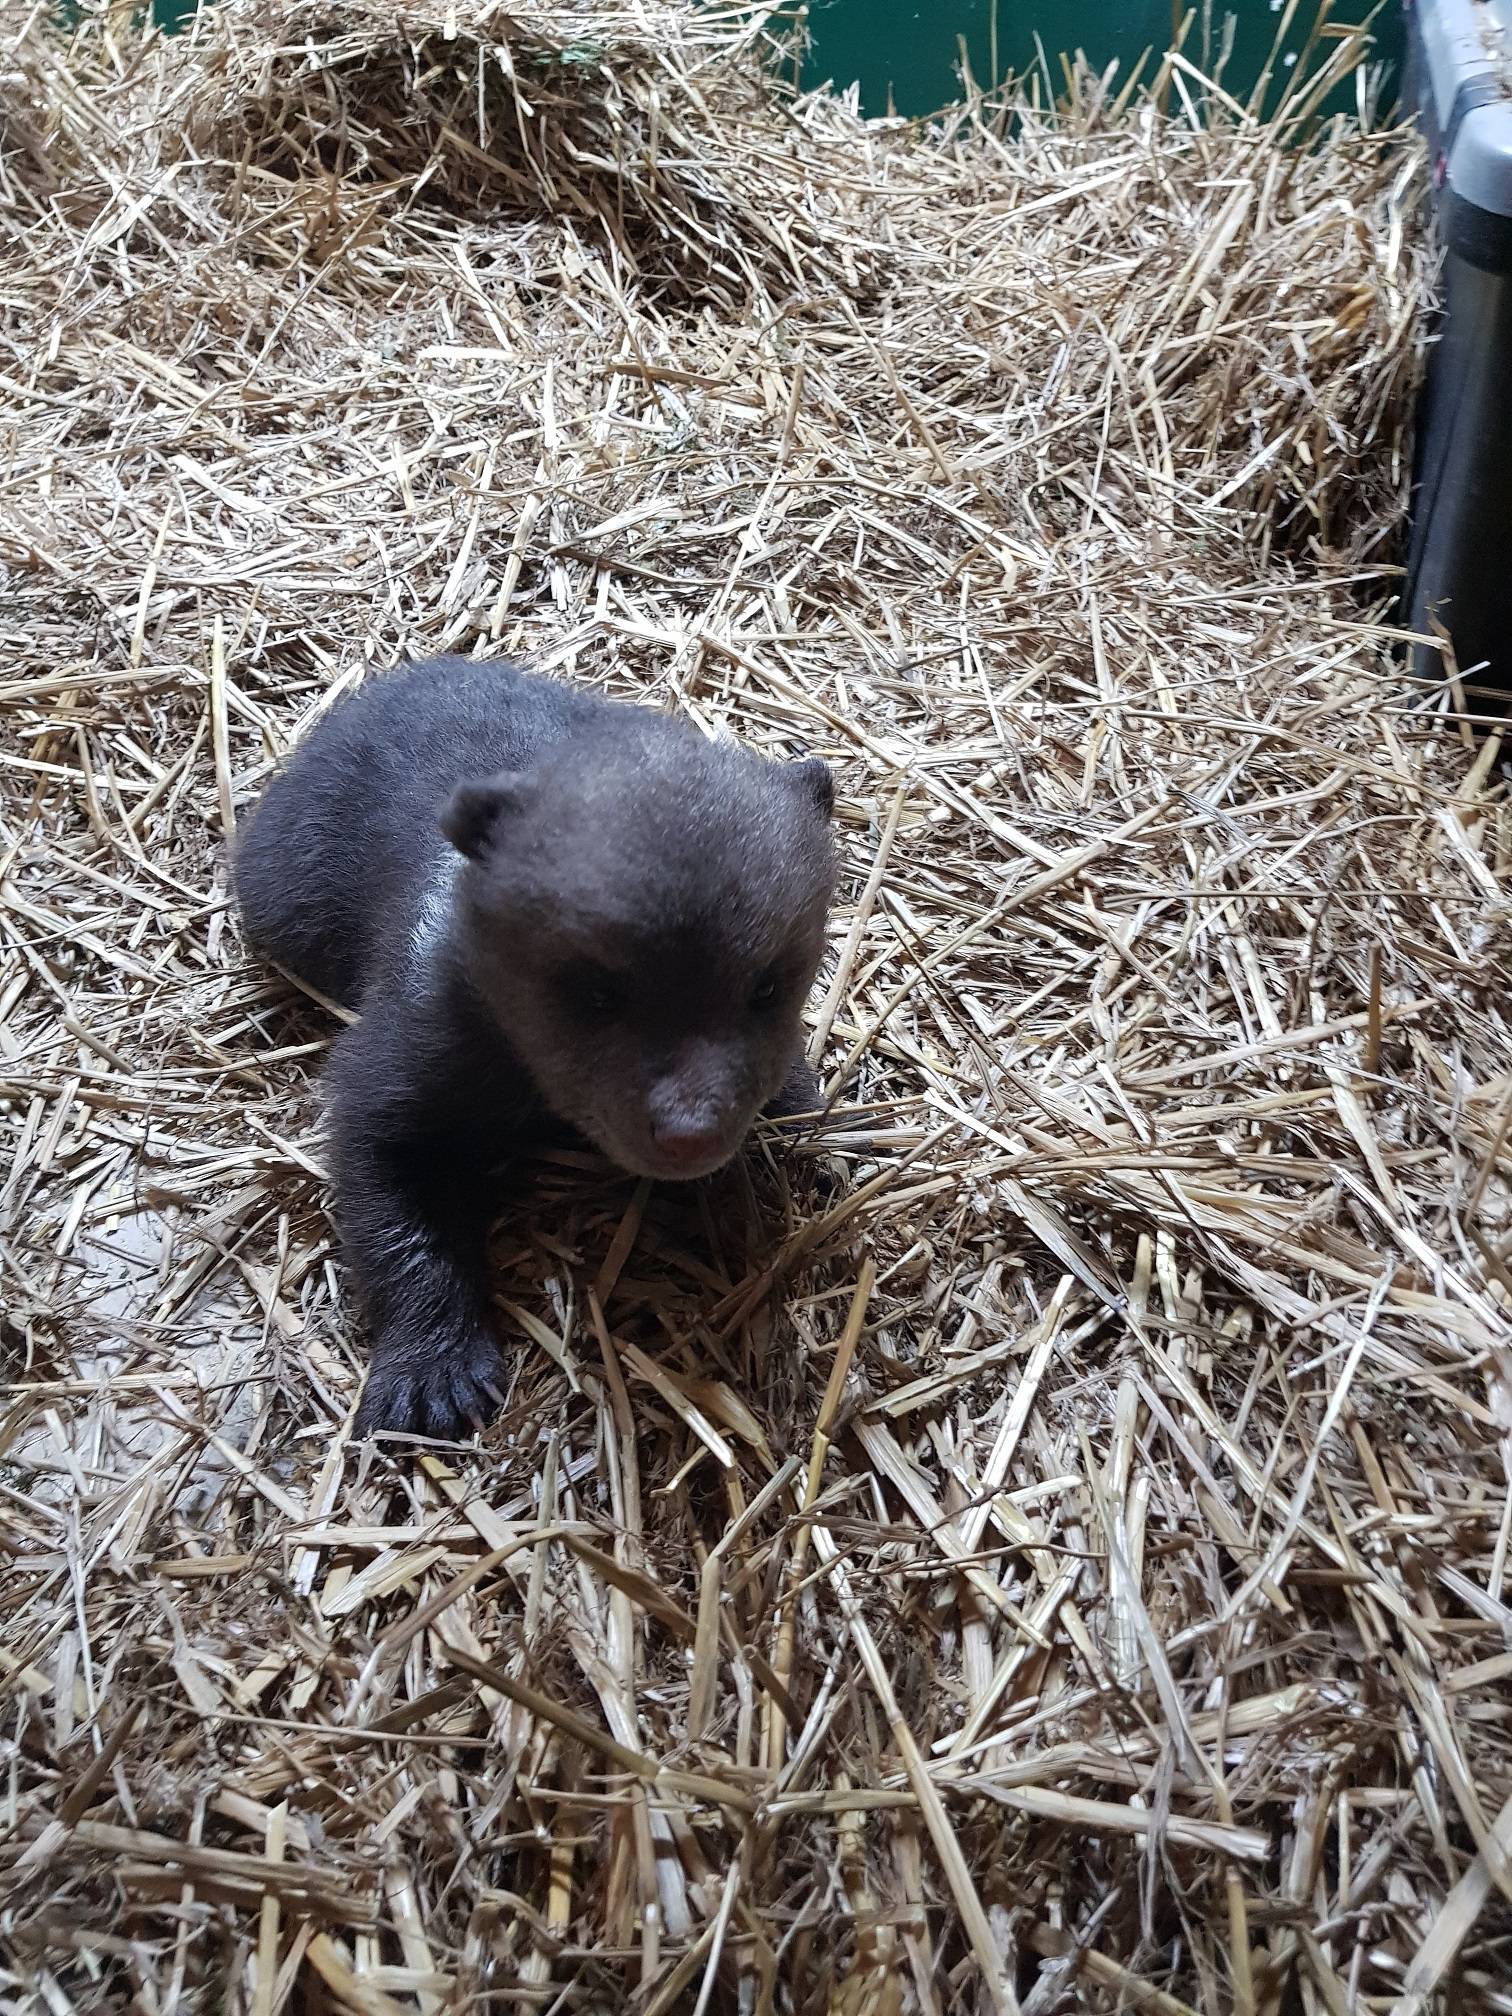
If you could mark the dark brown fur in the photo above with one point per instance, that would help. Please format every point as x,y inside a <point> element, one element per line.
<point>546,907</point>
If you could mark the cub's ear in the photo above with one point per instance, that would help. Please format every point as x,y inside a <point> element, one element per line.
<point>473,814</point>
<point>814,778</point>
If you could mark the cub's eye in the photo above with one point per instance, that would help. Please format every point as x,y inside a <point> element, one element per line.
<point>764,993</point>
<point>593,991</point>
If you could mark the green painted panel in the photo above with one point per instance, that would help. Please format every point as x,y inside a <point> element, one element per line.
<point>907,54</point>
<point>910,49</point>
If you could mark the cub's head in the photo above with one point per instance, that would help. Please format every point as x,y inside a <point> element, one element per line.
<point>644,914</point>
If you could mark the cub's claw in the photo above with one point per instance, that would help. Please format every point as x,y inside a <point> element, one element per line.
<point>442,1391</point>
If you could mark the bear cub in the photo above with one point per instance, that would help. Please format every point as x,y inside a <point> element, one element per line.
<point>545,908</point>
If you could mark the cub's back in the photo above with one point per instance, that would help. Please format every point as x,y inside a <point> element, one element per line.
<point>339,851</point>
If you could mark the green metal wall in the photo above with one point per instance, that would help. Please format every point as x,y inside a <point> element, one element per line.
<point>910,49</point>
<point>907,55</point>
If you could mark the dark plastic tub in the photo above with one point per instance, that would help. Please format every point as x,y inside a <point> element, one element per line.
<point>1459,81</point>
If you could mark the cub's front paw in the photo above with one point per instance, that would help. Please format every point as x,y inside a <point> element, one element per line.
<point>801,1094</point>
<point>444,1391</point>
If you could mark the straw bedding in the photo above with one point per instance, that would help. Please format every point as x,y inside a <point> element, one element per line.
<point>1041,1541</point>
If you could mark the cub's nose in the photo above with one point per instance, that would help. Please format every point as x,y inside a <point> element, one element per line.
<point>688,1144</point>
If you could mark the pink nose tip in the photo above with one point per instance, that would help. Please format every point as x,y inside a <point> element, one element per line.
<point>688,1146</point>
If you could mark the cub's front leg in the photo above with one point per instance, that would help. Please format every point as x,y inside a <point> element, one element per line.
<point>413,1208</point>
<point>801,1093</point>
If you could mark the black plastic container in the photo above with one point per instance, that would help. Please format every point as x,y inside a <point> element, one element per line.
<point>1459,572</point>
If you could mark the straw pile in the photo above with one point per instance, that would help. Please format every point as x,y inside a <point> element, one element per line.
<point>1041,1543</point>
